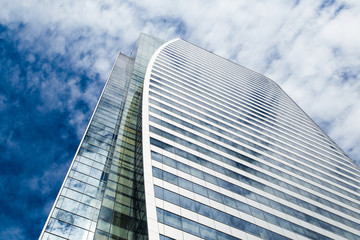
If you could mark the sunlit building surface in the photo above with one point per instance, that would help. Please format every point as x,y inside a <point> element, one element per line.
<point>184,144</point>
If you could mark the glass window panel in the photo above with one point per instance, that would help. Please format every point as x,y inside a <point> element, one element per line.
<point>70,205</point>
<point>90,190</point>
<point>190,227</point>
<point>156,156</point>
<point>171,197</point>
<point>98,165</point>
<point>48,236</point>
<point>200,190</point>
<point>251,228</point>
<point>169,162</point>
<point>75,185</point>
<point>159,192</point>
<point>186,184</point>
<point>59,228</point>
<point>90,201</point>
<point>272,219</point>
<point>86,211</point>
<point>78,233</point>
<point>183,167</point>
<point>204,210</point>
<point>82,222</point>
<point>207,233</point>
<point>95,173</point>
<point>72,194</point>
<point>188,204</point>
<point>236,223</point>
<point>93,181</point>
<point>106,214</point>
<point>65,216</point>
<point>170,178</point>
<point>100,158</point>
<point>214,195</point>
<point>160,215</point>
<point>80,176</point>
<point>162,237</point>
<point>229,201</point>
<point>172,220</point>
<point>85,160</point>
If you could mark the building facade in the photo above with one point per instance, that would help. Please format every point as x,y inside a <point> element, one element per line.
<point>184,144</point>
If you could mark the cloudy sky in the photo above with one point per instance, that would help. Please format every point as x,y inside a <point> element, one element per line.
<point>56,55</point>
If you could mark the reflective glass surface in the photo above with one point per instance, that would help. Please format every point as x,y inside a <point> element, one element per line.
<point>103,193</point>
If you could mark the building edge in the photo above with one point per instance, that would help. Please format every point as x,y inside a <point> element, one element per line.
<point>78,148</point>
<point>152,223</point>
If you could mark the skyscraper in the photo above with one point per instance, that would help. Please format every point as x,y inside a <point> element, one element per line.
<point>184,144</point>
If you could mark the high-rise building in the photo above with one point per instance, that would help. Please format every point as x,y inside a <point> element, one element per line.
<point>184,144</point>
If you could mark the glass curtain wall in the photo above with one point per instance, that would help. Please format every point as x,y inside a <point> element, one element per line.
<point>102,196</point>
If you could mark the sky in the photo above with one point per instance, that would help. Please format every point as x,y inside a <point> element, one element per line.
<point>55,57</point>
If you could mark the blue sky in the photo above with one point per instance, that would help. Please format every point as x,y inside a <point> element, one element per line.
<point>56,56</point>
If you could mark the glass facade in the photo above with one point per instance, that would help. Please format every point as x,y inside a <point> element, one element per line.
<point>184,144</point>
<point>103,193</point>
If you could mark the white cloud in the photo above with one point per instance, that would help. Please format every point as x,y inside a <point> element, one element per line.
<point>302,47</point>
<point>312,53</point>
<point>14,233</point>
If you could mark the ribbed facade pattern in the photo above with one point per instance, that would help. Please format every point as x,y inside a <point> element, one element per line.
<point>233,157</point>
